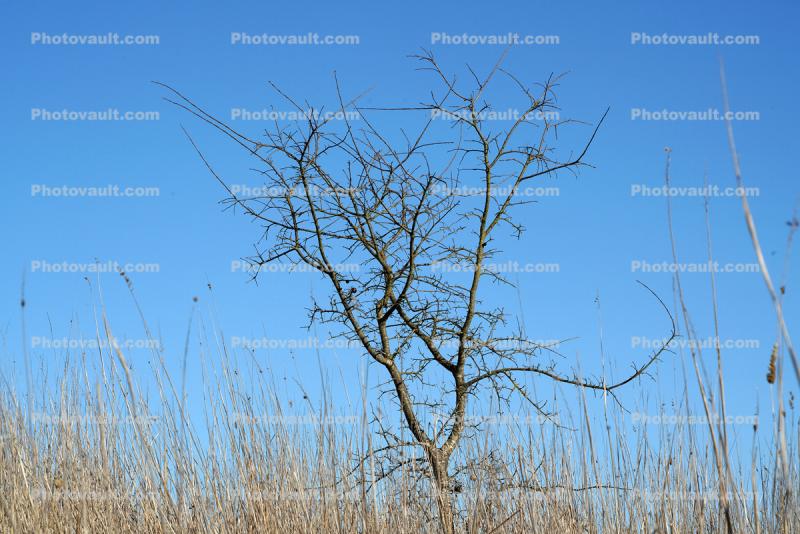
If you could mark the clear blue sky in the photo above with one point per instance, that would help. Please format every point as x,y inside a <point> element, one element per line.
<point>594,229</point>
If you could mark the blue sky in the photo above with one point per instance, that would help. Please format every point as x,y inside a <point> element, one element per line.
<point>594,229</point>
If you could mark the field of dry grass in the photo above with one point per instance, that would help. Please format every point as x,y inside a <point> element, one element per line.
<point>98,456</point>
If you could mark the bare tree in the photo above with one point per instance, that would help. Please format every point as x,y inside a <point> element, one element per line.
<point>382,219</point>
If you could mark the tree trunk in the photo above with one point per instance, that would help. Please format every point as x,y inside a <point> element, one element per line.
<point>441,484</point>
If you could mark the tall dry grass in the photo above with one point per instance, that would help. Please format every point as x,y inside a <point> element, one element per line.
<point>99,455</point>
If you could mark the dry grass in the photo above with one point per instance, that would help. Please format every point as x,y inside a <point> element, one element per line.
<point>99,457</point>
